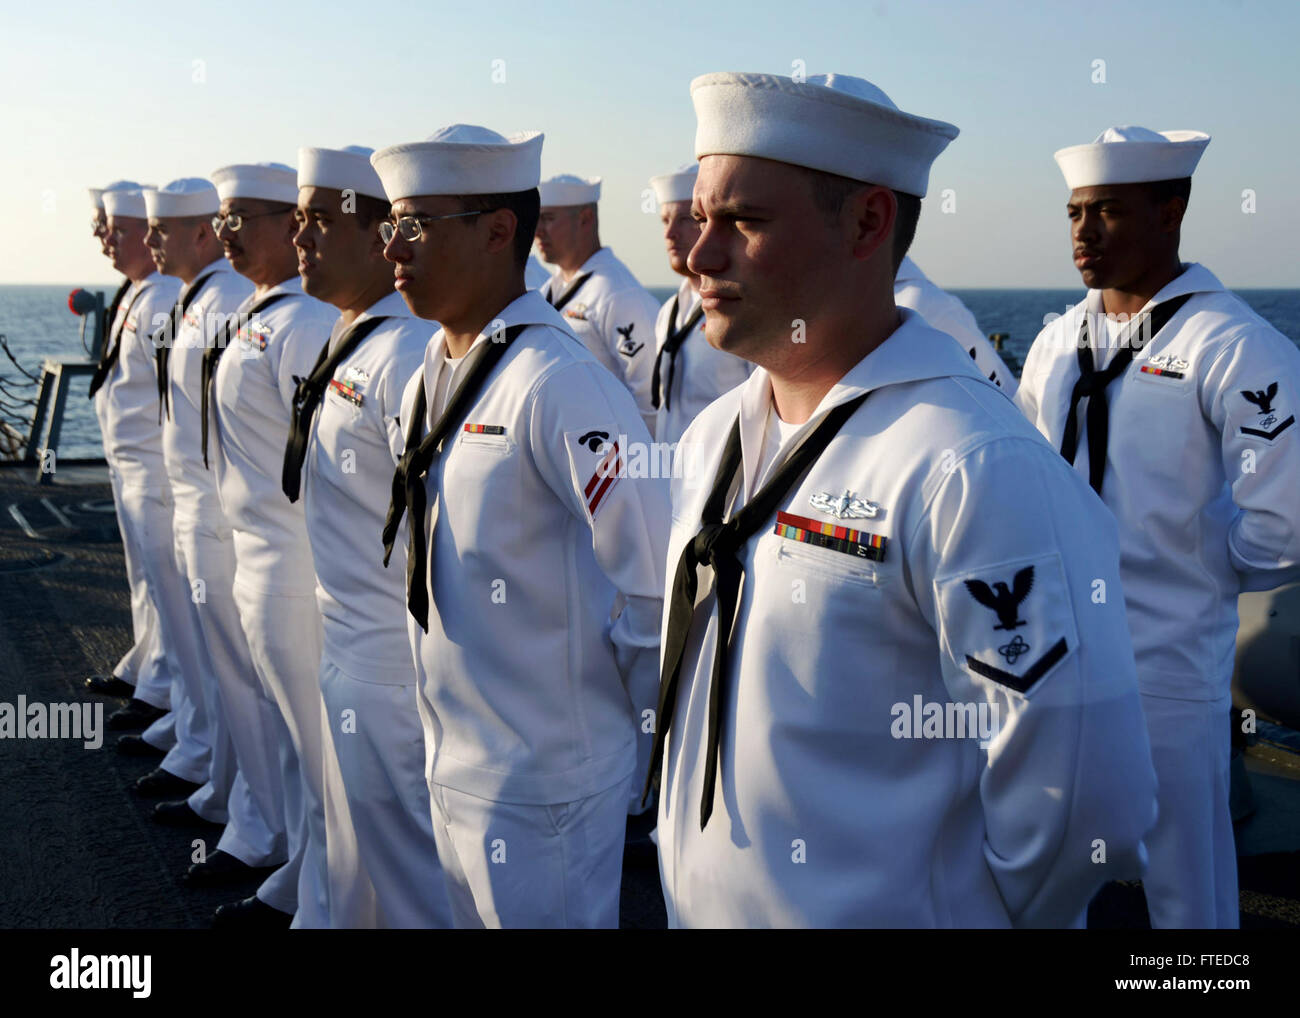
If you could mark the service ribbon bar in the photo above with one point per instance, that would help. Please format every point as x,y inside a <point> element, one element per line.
<point>347,391</point>
<point>857,543</point>
<point>485,429</point>
<point>256,339</point>
<point>1147,369</point>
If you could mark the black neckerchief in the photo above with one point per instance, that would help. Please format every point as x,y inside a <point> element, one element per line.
<point>307,397</point>
<point>676,337</point>
<point>163,350</point>
<point>418,459</point>
<point>114,346</point>
<point>568,294</point>
<point>716,546</point>
<point>1092,384</point>
<point>212,356</point>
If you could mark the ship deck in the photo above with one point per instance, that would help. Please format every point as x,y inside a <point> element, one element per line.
<point>79,851</point>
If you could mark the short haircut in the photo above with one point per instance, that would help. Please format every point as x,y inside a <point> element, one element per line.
<point>830,192</point>
<point>1160,191</point>
<point>370,211</point>
<point>265,204</point>
<point>527,207</point>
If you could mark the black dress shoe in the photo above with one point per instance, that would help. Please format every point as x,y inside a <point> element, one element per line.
<point>222,868</point>
<point>134,745</point>
<point>179,814</point>
<point>251,913</point>
<point>161,782</point>
<point>109,685</point>
<point>136,714</point>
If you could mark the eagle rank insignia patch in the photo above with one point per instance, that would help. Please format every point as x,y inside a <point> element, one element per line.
<point>1269,421</point>
<point>1010,623</point>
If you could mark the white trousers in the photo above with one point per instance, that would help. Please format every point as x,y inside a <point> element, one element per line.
<point>1192,878</point>
<point>162,733</point>
<point>514,866</point>
<point>148,516</point>
<point>254,821</point>
<point>379,742</point>
<point>144,665</point>
<point>284,641</point>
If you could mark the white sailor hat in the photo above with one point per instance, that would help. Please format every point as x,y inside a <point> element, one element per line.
<point>125,203</point>
<point>829,122</point>
<point>267,181</point>
<point>676,186</point>
<point>340,169</point>
<point>568,189</point>
<point>97,193</point>
<point>1132,155</point>
<point>189,196</point>
<point>461,159</point>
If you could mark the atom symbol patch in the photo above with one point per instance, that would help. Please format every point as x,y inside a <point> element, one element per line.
<point>1011,651</point>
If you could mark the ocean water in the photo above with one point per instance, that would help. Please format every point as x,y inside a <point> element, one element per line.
<point>37,324</point>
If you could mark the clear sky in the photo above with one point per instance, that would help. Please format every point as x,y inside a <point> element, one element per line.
<point>91,92</point>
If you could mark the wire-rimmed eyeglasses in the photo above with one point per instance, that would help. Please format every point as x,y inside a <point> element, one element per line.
<point>235,220</point>
<point>411,227</point>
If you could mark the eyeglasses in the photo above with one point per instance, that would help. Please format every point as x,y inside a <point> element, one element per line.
<point>235,220</point>
<point>411,227</point>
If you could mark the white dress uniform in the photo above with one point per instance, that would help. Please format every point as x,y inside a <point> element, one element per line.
<point>145,665</point>
<point>614,316</point>
<point>1201,472</point>
<point>914,289</point>
<point>699,373</point>
<point>274,583</point>
<point>867,610</point>
<point>248,798</point>
<point>367,676</point>
<point>134,439</point>
<point>533,683</point>
<point>535,273</point>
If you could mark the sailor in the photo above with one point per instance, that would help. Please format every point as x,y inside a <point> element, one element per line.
<point>1177,402</point>
<point>99,219</point>
<point>185,245</point>
<point>535,553</point>
<point>940,309</point>
<point>910,712</point>
<point>342,447</point>
<point>689,374</point>
<point>125,387</point>
<point>143,667</point>
<point>599,297</point>
<point>280,332</point>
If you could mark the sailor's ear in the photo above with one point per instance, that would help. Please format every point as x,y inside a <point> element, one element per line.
<point>502,224</point>
<point>1172,211</point>
<point>868,217</point>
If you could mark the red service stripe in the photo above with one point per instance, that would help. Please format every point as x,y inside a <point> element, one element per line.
<point>601,471</point>
<point>599,497</point>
